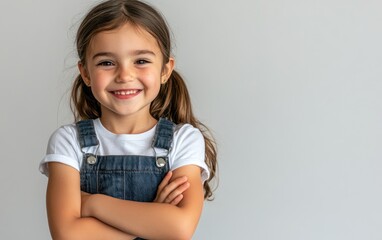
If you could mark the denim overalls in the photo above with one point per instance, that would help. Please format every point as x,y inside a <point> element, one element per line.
<point>130,177</point>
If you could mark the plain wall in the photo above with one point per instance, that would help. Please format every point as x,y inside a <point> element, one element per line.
<point>291,90</point>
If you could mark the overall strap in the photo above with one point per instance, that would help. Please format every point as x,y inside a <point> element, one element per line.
<point>162,139</point>
<point>86,134</point>
<point>163,134</point>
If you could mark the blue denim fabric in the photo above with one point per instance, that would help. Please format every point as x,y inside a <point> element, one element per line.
<point>126,177</point>
<point>130,177</point>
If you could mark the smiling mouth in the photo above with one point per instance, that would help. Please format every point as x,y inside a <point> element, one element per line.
<point>126,92</point>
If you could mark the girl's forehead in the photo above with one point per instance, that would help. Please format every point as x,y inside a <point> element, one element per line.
<point>125,37</point>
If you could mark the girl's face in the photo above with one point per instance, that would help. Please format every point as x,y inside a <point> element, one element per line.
<point>124,68</point>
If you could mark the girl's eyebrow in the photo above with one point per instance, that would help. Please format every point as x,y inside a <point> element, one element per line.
<point>102,54</point>
<point>141,52</point>
<point>133,53</point>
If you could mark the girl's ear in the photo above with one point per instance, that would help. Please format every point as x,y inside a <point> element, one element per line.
<point>84,74</point>
<point>167,70</point>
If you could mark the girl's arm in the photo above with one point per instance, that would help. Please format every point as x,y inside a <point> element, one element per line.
<point>63,201</point>
<point>64,205</point>
<point>153,220</point>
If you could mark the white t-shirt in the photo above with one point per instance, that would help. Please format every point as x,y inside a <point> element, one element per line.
<point>187,147</point>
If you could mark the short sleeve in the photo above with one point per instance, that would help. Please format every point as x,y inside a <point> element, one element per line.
<point>189,149</point>
<point>63,148</point>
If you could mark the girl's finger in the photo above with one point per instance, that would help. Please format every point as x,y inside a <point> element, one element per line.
<point>167,190</point>
<point>163,184</point>
<point>177,200</point>
<point>176,192</point>
<point>163,194</point>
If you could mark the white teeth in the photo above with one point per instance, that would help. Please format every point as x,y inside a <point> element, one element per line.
<point>127,92</point>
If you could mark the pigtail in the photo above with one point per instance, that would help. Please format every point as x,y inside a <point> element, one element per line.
<point>83,103</point>
<point>174,103</point>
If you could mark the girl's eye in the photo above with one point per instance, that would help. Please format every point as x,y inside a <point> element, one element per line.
<point>141,61</point>
<point>105,63</point>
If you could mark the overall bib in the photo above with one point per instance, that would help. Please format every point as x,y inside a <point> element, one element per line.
<point>128,177</point>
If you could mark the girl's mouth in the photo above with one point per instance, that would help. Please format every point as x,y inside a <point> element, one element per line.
<point>126,92</point>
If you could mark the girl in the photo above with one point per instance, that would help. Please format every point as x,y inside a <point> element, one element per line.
<point>137,162</point>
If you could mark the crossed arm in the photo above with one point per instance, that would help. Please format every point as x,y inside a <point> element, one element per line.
<point>174,214</point>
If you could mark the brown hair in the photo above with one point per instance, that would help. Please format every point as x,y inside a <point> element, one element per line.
<point>173,100</point>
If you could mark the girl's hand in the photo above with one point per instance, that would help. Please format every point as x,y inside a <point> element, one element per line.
<point>171,192</point>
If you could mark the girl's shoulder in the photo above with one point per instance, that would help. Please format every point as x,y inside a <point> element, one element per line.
<point>69,130</point>
<point>64,137</point>
<point>65,131</point>
<point>186,130</point>
<point>188,138</point>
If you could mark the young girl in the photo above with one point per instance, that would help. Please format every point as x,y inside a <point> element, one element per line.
<point>137,163</point>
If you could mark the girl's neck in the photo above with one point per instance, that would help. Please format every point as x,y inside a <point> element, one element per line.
<point>128,124</point>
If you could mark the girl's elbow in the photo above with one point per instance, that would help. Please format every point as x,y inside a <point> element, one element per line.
<point>62,236</point>
<point>65,233</point>
<point>184,236</point>
<point>57,236</point>
<point>184,230</point>
<point>65,237</point>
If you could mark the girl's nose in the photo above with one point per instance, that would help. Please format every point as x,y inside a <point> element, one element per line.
<point>125,74</point>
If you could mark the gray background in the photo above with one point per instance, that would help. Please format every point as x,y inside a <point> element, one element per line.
<point>291,90</point>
